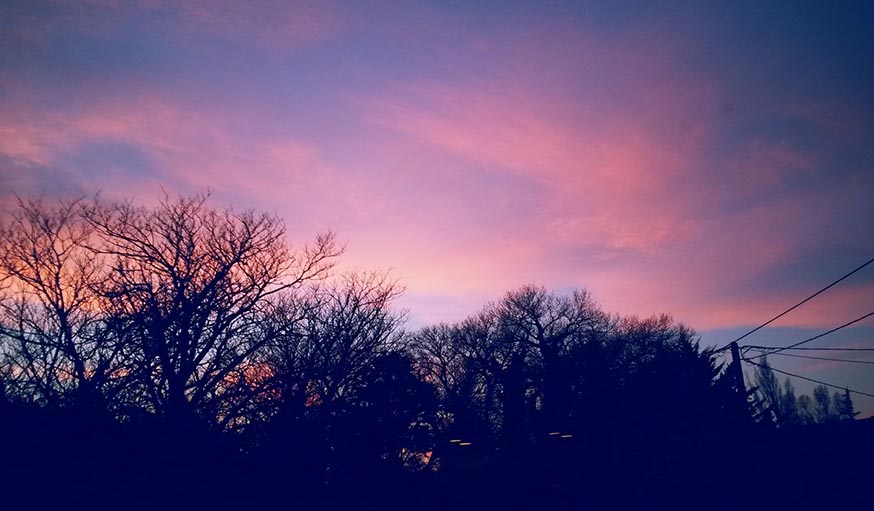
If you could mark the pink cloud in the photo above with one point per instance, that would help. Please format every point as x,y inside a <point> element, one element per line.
<point>603,168</point>
<point>628,193</point>
<point>194,150</point>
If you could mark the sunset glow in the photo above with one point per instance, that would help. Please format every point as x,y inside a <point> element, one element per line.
<point>712,163</point>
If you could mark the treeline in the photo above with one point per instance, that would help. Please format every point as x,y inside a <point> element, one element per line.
<point>780,406</point>
<point>198,336</point>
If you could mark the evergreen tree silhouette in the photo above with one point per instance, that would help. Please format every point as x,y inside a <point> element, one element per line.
<point>847,413</point>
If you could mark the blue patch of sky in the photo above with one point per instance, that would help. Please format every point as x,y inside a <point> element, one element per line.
<point>99,157</point>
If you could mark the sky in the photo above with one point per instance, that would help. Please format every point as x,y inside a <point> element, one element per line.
<point>715,162</point>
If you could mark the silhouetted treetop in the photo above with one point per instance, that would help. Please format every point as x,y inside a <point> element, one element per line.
<point>204,332</point>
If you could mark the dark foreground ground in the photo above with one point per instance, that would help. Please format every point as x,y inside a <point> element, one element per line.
<point>54,462</point>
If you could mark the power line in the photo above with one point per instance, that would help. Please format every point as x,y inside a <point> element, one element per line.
<point>808,379</point>
<point>815,337</point>
<point>799,304</point>
<point>826,358</point>
<point>805,349</point>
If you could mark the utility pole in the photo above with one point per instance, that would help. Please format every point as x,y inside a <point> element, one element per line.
<point>740,388</point>
<point>737,371</point>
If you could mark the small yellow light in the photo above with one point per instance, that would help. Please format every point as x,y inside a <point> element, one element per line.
<point>555,433</point>
<point>455,441</point>
<point>464,443</point>
<point>567,436</point>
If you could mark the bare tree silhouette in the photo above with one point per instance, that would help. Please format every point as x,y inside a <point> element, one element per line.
<point>56,344</point>
<point>190,283</point>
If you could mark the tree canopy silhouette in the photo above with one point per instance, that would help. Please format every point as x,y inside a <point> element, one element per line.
<point>198,338</point>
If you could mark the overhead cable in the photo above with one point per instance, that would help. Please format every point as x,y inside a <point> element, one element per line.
<point>799,304</point>
<point>765,348</point>
<point>808,379</point>
<point>815,337</point>
<point>826,358</point>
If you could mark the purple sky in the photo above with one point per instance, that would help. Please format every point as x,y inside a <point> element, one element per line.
<point>711,162</point>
